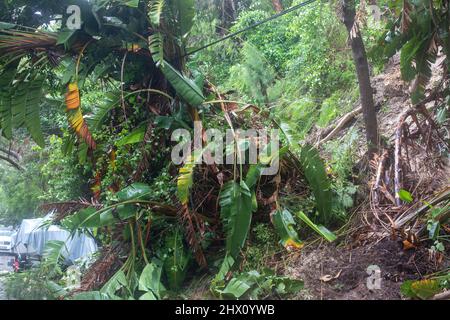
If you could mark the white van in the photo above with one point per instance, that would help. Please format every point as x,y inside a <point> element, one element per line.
<point>5,240</point>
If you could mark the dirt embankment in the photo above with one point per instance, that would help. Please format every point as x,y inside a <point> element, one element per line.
<point>346,273</point>
<point>340,271</point>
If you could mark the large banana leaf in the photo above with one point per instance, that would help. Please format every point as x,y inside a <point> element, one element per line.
<point>185,87</point>
<point>185,16</point>
<point>156,47</point>
<point>316,175</point>
<point>52,255</point>
<point>18,104</point>
<point>136,190</point>
<point>150,279</point>
<point>177,259</point>
<point>236,212</point>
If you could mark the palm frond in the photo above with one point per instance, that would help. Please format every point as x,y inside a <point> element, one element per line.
<point>17,42</point>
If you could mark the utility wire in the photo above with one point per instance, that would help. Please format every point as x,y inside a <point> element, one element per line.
<point>231,35</point>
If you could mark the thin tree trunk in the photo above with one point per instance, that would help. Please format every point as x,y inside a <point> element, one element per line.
<point>228,12</point>
<point>277,6</point>
<point>362,71</point>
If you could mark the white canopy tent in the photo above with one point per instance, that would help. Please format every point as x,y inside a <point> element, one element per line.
<point>33,234</point>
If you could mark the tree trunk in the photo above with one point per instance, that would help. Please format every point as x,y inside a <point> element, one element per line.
<point>362,71</point>
<point>277,6</point>
<point>228,14</point>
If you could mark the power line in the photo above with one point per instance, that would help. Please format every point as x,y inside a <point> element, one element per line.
<point>231,35</point>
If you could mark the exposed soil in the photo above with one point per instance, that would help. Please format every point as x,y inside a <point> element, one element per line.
<point>349,267</point>
<point>346,263</point>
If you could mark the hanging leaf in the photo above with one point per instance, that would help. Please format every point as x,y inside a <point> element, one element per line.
<point>185,88</point>
<point>6,93</point>
<point>52,255</point>
<point>284,225</point>
<point>66,37</point>
<point>75,116</point>
<point>185,16</point>
<point>155,11</point>
<point>236,212</point>
<point>407,55</point>
<point>32,116</point>
<point>185,177</point>
<point>156,47</point>
<point>114,284</point>
<point>132,3</point>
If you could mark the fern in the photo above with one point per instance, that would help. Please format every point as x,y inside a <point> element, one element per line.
<point>18,104</point>
<point>6,93</point>
<point>32,118</point>
<point>316,175</point>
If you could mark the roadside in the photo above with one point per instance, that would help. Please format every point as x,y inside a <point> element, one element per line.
<point>2,289</point>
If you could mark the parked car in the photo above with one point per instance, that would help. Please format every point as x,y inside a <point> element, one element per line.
<point>5,240</point>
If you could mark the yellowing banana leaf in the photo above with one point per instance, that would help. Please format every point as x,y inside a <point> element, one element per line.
<point>75,116</point>
<point>423,289</point>
<point>284,225</point>
<point>186,176</point>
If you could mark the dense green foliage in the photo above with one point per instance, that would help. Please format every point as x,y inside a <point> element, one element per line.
<point>130,81</point>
